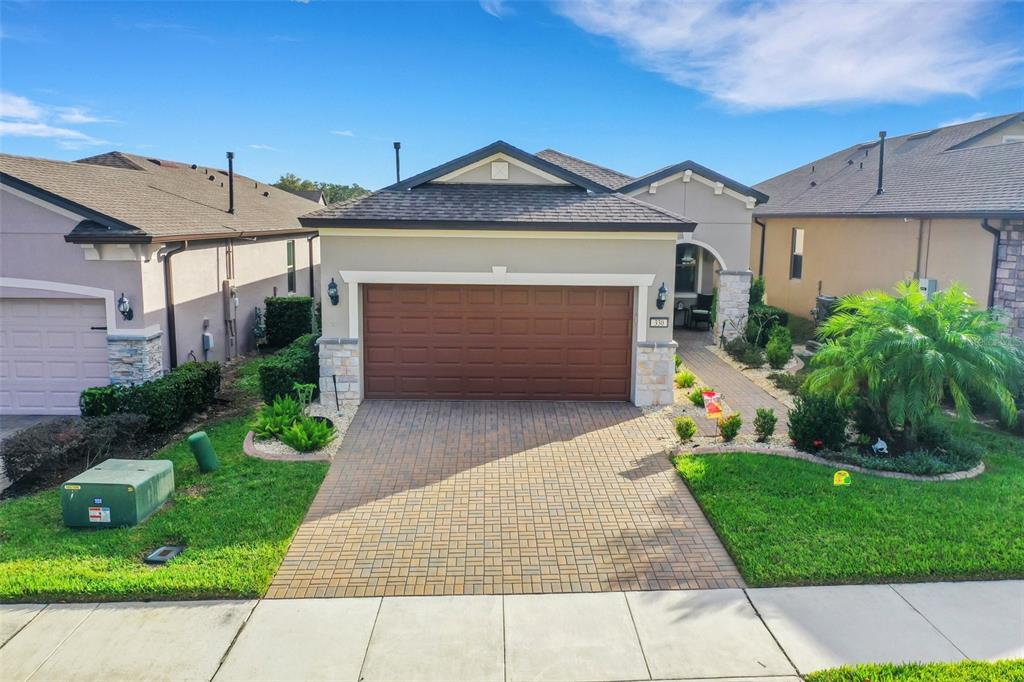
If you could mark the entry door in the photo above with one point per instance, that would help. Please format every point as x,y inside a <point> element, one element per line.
<point>497,342</point>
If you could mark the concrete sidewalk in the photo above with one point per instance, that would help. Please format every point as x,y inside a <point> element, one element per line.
<point>754,634</point>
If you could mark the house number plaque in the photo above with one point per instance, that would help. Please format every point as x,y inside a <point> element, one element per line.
<point>660,322</point>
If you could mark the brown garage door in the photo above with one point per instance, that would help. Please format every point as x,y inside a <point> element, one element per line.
<point>497,342</point>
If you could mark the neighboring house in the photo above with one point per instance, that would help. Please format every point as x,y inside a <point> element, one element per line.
<point>192,266</point>
<point>313,195</point>
<point>950,209</point>
<point>508,275</point>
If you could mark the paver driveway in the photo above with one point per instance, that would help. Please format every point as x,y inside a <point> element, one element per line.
<point>432,497</point>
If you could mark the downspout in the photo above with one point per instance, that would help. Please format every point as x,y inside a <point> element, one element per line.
<point>309,243</point>
<point>760,258</point>
<point>920,244</point>
<point>996,235</point>
<point>172,336</point>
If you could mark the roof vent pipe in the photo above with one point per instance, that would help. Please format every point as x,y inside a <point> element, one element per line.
<point>881,159</point>
<point>398,167</point>
<point>231,182</point>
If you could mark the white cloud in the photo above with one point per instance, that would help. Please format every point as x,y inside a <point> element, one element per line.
<point>78,115</point>
<point>18,107</point>
<point>343,133</point>
<point>791,53</point>
<point>34,129</point>
<point>496,8</point>
<point>264,147</point>
<point>965,119</point>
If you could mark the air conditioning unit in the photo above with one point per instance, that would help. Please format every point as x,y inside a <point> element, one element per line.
<point>928,287</point>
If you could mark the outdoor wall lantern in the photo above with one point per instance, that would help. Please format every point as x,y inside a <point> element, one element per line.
<point>124,307</point>
<point>332,292</point>
<point>662,296</point>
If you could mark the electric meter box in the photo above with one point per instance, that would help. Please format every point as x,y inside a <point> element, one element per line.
<point>117,492</point>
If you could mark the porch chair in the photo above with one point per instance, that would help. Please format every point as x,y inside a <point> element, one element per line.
<point>700,313</point>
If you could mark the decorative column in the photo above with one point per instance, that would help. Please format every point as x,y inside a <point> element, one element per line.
<point>134,359</point>
<point>339,371</point>
<point>733,302</point>
<point>1009,285</point>
<point>655,371</point>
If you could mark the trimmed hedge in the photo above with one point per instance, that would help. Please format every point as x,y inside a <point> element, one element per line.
<point>298,362</point>
<point>167,401</point>
<point>288,318</point>
<point>769,317</point>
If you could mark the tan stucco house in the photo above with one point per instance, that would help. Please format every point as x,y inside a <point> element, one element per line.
<point>508,275</point>
<point>944,205</point>
<point>189,251</point>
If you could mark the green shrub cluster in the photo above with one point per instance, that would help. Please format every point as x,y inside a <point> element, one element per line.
<point>54,447</point>
<point>288,318</point>
<point>743,351</point>
<point>685,379</point>
<point>308,434</point>
<point>296,363</point>
<point>697,396</point>
<point>817,422</point>
<point>779,350</point>
<point>167,401</point>
<point>729,427</point>
<point>764,424</point>
<point>756,296</point>
<point>678,361</point>
<point>791,383</point>
<point>274,419</point>
<point>283,419</point>
<point>685,428</point>
<point>761,320</point>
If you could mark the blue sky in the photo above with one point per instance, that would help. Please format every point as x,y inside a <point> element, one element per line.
<point>321,89</point>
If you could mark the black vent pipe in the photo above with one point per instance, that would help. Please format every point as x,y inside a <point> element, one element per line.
<point>881,159</point>
<point>231,182</point>
<point>398,167</point>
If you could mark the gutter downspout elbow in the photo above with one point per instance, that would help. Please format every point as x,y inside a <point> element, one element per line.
<point>996,235</point>
<point>760,258</point>
<point>172,335</point>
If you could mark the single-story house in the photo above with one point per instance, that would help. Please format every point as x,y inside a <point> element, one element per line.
<point>508,275</point>
<point>940,206</point>
<point>117,267</point>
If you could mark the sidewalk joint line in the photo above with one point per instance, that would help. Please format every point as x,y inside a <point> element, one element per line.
<point>774,638</point>
<point>925,618</point>
<point>231,644</point>
<point>34,616</point>
<point>369,640</point>
<point>636,631</point>
<point>504,641</point>
<point>61,642</point>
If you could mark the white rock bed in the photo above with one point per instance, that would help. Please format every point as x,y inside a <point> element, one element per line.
<point>759,375</point>
<point>340,418</point>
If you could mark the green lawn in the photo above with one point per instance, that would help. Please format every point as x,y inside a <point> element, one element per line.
<point>784,523</point>
<point>236,524</point>
<point>965,671</point>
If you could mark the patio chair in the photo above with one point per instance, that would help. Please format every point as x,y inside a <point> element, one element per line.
<point>700,313</point>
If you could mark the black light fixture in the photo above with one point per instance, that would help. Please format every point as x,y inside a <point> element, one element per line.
<point>332,292</point>
<point>662,296</point>
<point>124,307</point>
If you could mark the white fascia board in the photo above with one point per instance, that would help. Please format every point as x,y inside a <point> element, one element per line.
<point>492,234</point>
<point>688,175</point>
<point>498,275</point>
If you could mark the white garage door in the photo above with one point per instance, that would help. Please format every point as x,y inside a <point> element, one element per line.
<point>50,349</point>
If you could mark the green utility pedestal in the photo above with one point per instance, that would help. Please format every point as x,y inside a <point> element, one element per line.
<point>118,492</point>
<point>202,448</point>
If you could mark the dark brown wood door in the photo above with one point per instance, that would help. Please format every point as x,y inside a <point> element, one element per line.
<point>497,342</point>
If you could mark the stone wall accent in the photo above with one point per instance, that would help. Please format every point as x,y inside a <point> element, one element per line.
<point>135,359</point>
<point>339,366</point>
<point>1009,288</point>
<point>733,302</point>
<point>655,371</point>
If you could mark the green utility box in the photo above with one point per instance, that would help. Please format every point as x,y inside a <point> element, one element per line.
<point>117,492</point>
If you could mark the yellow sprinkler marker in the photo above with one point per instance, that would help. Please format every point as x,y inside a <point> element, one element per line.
<point>841,477</point>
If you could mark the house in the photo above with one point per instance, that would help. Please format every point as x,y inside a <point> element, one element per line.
<point>314,195</point>
<point>117,267</point>
<point>941,206</point>
<point>508,275</point>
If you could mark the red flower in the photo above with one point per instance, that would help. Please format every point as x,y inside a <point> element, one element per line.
<point>818,443</point>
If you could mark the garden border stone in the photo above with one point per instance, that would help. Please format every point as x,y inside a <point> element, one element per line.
<point>793,453</point>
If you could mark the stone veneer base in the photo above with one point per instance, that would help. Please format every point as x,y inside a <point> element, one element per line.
<point>340,371</point>
<point>134,359</point>
<point>655,371</point>
<point>733,302</point>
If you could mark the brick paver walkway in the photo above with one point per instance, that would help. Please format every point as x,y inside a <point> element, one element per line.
<point>432,497</point>
<point>740,393</point>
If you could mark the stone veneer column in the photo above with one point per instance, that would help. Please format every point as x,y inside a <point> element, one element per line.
<point>339,366</point>
<point>733,302</point>
<point>655,371</point>
<point>1009,286</point>
<point>134,359</point>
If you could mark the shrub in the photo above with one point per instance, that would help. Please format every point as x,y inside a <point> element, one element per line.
<point>296,363</point>
<point>791,383</point>
<point>685,428</point>
<point>308,434</point>
<point>167,401</point>
<point>764,424</point>
<point>745,352</point>
<point>685,379</point>
<point>678,361</point>
<point>761,320</point>
<point>757,292</point>
<point>729,427</point>
<point>922,462</point>
<point>52,447</point>
<point>288,318</point>
<point>817,422</point>
<point>274,419</point>
<point>697,396</point>
<point>780,347</point>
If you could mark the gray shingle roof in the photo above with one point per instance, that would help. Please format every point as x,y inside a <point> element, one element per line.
<point>157,199</point>
<point>497,206</point>
<point>923,175</point>
<point>606,177</point>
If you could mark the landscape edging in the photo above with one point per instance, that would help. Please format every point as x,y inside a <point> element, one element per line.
<point>250,448</point>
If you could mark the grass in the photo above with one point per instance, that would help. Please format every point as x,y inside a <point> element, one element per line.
<point>247,379</point>
<point>236,524</point>
<point>963,671</point>
<point>784,523</point>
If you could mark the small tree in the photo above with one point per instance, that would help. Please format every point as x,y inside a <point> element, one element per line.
<point>895,357</point>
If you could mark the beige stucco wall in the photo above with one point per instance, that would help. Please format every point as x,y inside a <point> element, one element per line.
<point>408,250</point>
<point>849,255</point>
<point>996,137</point>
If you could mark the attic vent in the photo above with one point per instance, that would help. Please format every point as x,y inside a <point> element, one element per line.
<point>918,136</point>
<point>813,183</point>
<point>266,194</point>
<point>499,170</point>
<point>211,178</point>
<point>156,161</point>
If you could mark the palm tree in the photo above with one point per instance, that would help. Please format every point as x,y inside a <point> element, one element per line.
<point>897,356</point>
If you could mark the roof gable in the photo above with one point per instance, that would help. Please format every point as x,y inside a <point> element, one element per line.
<point>687,169</point>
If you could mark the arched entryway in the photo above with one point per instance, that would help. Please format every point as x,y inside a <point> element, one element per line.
<point>708,296</point>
